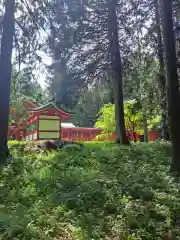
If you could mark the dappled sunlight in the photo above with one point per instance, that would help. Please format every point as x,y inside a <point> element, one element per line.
<point>96,192</point>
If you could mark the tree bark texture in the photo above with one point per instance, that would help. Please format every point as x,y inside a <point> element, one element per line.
<point>172,83</point>
<point>161,75</point>
<point>5,73</point>
<point>116,70</point>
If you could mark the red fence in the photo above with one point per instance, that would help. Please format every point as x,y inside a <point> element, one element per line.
<point>89,134</point>
<point>153,135</point>
<point>86,134</point>
<point>79,134</point>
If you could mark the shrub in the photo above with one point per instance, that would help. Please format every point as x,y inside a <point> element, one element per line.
<point>99,192</point>
<point>132,115</point>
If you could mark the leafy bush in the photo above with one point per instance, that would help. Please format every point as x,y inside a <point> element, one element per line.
<point>106,119</point>
<point>42,146</point>
<point>98,192</point>
<point>133,119</point>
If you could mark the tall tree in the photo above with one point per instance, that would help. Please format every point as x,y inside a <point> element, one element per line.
<point>161,75</point>
<point>116,70</point>
<point>81,37</point>
<point>172,83</point>
<point>5,70</point>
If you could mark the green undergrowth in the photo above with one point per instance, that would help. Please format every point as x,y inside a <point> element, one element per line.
<point>98,192</point>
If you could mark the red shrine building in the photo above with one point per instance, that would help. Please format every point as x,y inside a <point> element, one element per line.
<point>49,122</point>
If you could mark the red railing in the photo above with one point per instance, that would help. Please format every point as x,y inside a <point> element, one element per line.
<point>86,134</point>
<point>89,134</point>
<point>79,134</point>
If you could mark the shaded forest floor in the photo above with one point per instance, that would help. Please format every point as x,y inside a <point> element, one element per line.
<point>99,192</point>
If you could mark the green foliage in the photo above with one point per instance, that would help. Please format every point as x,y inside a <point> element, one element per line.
<point>133,118</point>
<point>155,122</point>
<point>99,192</point>
<point>106,118</point>
<point>88,106</point>
<point>22,88</point>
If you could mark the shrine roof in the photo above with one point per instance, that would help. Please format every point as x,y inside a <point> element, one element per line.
<point>48,106</point>
<point>30,104</point>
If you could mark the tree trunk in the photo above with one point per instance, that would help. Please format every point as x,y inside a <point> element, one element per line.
<point>116,69</point>
<point>5,73</point>
<point>162,77</point>
<point>110,89</point>
<point>111,94</point>
<point>145,126</point>
<point>172,83</point>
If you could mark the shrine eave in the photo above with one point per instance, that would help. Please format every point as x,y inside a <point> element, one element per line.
<point>48,106</point>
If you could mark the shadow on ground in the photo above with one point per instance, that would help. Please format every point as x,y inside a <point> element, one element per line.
<point>92,193</point>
